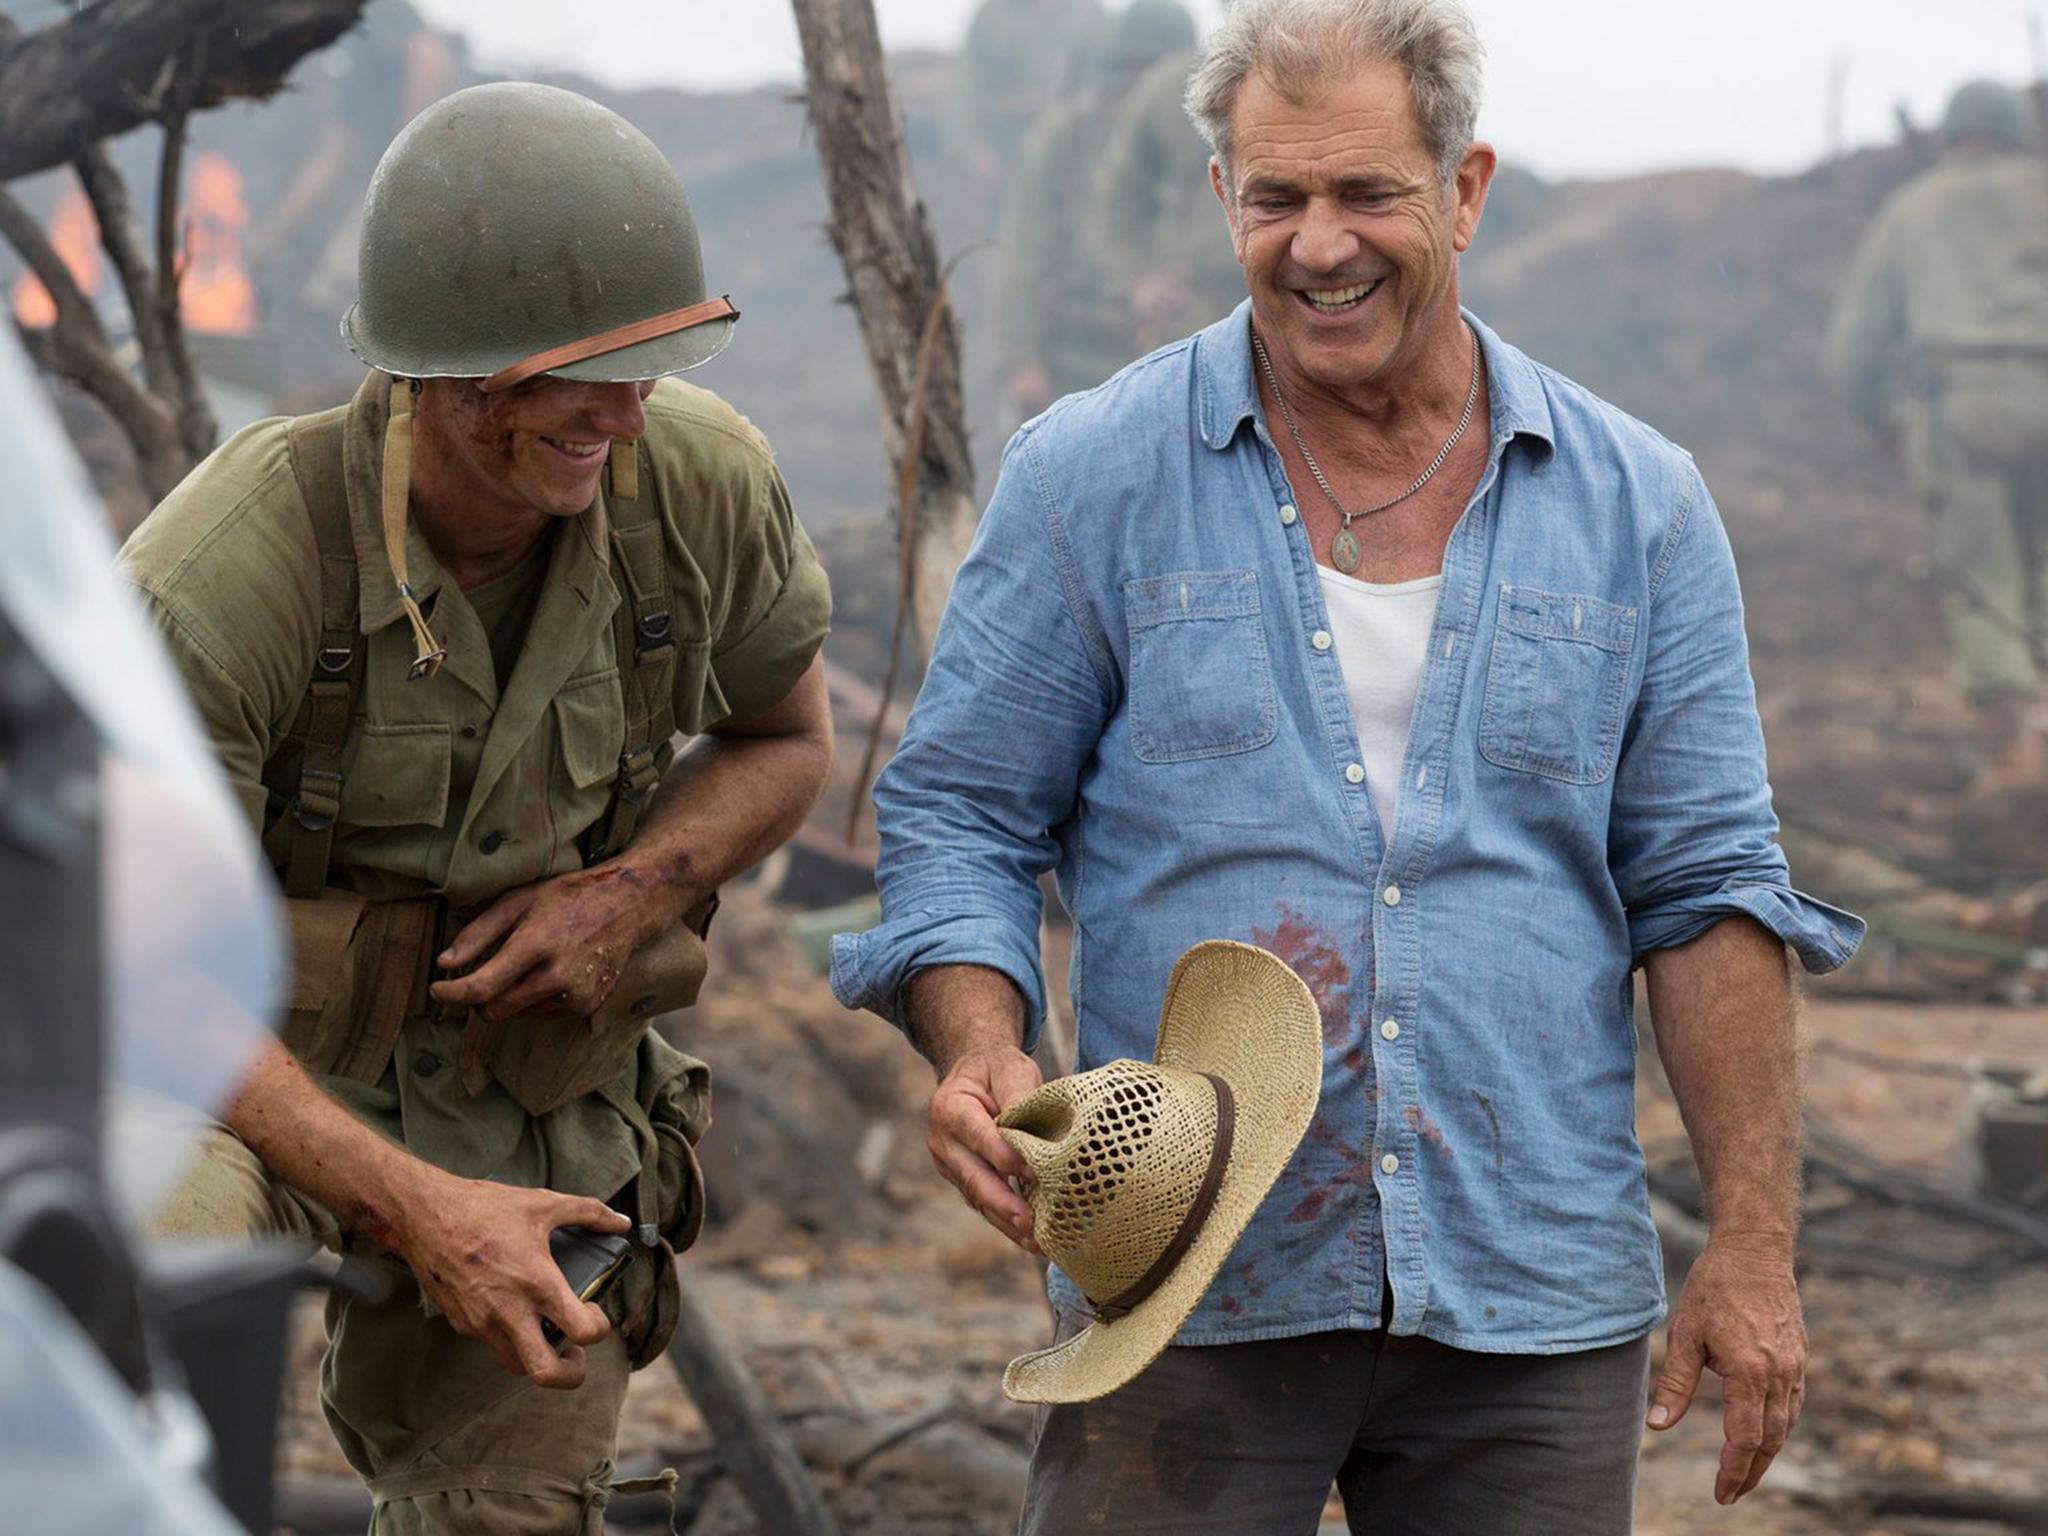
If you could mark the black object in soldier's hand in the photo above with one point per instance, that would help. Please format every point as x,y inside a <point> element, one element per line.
<point>589,1261</point>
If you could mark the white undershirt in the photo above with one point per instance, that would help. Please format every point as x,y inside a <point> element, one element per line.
<point>1380,633</point>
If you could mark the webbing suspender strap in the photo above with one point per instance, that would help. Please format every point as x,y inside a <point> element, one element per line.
<point>323,719</point>
<point>643,637</point>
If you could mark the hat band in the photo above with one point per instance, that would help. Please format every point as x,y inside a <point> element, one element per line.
<point>1191,1224</point>
<point>686,318</point>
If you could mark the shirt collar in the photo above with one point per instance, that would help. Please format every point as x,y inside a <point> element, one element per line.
<point>1517,402</point>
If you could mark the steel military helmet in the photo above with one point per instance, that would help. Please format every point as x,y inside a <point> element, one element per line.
<point>1984,109</point>
<point>517,229</point>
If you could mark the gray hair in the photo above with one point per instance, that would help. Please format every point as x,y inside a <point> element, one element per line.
<point>1299,45</point>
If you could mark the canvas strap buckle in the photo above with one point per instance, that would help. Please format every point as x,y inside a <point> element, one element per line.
<point>653,632</point>
<point>637,775</point>
<point>333,660</point>
<point>318,801</point>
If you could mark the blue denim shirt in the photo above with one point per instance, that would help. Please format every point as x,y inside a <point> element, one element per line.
<point>1125,689</point>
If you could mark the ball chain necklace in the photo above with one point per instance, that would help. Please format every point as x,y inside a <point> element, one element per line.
<point>1344,551</point>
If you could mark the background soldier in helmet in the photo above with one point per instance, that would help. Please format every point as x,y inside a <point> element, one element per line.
<point>1940,340</point>
<point>441,638</point>
<point>1018,58</point>
<point>1172,270</point>
<point>1060,323</point>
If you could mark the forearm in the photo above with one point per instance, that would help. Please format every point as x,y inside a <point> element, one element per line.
<point>728,801</point>
<point>955,1011</point>
<point>371,1185</point>
<point>1727,1030</point>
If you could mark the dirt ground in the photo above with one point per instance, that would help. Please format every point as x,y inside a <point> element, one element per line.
<point>871,1303</point>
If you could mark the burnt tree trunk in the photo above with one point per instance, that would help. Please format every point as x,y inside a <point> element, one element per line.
<point>884,239</point>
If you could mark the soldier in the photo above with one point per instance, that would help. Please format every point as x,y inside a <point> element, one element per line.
<point>441,638</point>
<point>1171,268</point>
<point>1017,58</point>
<point>1060,324</point>
<point>1940,341</point>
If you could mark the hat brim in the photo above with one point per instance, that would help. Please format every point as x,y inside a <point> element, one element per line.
<point>655,358</point>
<point>1238,1013</point>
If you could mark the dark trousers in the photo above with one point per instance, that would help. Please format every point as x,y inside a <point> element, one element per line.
<point>1420,1439</point>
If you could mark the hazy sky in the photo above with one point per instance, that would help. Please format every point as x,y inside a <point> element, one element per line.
<point>1574,87</point>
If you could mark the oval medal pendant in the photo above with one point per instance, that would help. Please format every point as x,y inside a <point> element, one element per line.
<point>1344,551</point>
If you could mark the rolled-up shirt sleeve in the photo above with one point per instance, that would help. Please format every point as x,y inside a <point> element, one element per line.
<point>1692,835</point>
<point>1012,706</point>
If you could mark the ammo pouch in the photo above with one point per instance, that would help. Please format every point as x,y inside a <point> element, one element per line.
<point>546,1058</point>
<point>672,1111</point>
<point>358,969</point>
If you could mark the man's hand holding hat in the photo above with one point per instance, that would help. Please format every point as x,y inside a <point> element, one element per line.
<point>968,1021</point>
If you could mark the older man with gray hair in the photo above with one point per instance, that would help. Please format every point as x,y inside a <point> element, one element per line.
<point>1344,628</point>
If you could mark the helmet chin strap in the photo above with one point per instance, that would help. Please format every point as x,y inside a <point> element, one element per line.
<point>397,497</point>
<point>622,465</point>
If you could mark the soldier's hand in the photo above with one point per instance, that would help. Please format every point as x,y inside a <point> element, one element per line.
<point>480,1251</point>
<point>966,1145</point>
<point>557,944</point>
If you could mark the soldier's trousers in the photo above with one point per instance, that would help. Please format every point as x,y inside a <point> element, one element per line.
<point>1978,460</point>
<point>446,1438</point>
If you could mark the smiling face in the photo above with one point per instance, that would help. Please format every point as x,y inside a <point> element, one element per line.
<point>537,447</point>
<point>1347,237</point>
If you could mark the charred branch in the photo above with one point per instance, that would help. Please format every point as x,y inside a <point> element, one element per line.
<point>67,89</point>
<point>197,428</point>
<point>75,347</point>
<point>754,1444</point>
<point>104,70</point>
<point>121,237</point>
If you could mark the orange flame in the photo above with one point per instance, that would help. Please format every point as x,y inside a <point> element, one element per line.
<point>215,294</point>
<point>76,235</point>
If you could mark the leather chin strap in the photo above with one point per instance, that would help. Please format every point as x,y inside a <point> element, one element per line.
<point>1124,1301</point>
<point>687,318</point>
<point>397,497</point>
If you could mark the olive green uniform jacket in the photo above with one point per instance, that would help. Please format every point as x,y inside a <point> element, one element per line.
<point>454,789</point>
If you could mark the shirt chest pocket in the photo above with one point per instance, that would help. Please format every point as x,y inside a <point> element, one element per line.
<point>590,719</point>
<point>1556,684</point>
<point>397,776</point>
<point>1201,684</point>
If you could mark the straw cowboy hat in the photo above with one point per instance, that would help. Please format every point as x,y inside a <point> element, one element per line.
<point>1144,1174</point>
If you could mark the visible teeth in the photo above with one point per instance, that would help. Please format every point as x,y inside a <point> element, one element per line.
<point>581,450</point>
<point>1337,298</point>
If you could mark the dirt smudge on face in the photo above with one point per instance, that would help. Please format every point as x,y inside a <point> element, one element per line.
<point>1315,957</point>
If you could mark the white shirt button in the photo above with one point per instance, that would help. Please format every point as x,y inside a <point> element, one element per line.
<point>1391,895</point>
<point>1390,1164</point>
<point>1354,773</point>
<point>1320,639</point>
<point>1390,1030</point>
<point>1288,515</point>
